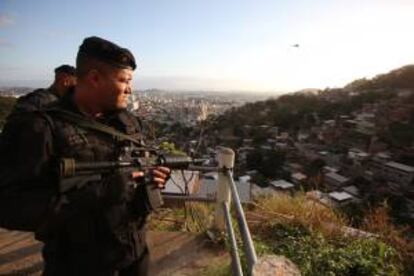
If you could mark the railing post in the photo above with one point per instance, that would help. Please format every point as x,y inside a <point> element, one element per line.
<point>249,250</point>
<point>235,258</point>
<point>225,161</point>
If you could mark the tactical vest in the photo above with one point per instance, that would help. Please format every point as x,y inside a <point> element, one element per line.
<point>74,140</point>
<point>88,145</point>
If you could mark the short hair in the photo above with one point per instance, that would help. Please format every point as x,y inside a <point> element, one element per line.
<point>67,69</point>
<point>85,64</point>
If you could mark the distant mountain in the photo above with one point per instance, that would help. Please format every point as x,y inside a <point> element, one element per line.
<point>303,108</point>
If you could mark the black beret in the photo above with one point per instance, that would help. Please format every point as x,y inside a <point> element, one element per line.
<point>66,69</point>
<point>108,52</point>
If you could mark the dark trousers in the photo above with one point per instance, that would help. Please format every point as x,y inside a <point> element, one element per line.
<point>66,262</point>
<point>139,267</point>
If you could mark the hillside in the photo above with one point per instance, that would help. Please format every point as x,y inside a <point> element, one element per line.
<point>6,105</point>
<point>401,78</point>
<point>305,109</point>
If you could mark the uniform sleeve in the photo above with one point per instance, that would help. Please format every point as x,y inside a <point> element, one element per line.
<point>34,101</point>
<point>27,179</point>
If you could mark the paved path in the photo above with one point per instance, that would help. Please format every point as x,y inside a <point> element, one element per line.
<point>172,253</point>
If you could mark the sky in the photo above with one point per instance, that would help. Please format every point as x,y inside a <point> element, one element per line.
<point>223,45</point>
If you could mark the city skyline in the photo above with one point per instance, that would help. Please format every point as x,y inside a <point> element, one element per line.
<point>219,45</point>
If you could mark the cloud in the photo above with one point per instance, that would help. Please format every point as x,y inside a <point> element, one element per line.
<point>6,20</point>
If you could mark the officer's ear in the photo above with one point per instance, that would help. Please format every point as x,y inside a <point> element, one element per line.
<point>59,77</point>
<point>66,80</point>
<point>94,78</point>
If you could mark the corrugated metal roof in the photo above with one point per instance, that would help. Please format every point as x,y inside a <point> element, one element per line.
<point>283,184</point>
<point>337,177</point>
<point>400,166</point>
<point>340,196</point>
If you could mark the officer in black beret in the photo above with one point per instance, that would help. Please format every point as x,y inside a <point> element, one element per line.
<point>107,52</point>
<point>66,69</point>
<point>65,78</point>
<point>97,228</point>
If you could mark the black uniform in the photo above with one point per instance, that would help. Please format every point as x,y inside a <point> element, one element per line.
<point>40,98</point>
<point>35,100</point>
<point>96,230</point>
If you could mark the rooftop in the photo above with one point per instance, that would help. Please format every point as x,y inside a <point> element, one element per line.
<point>340,196</point>
<point>337,177</point>
<point>353,190</point>
<point>245,178</point>
<point>282,184</point>
<point>298,176</point>
<point>400,166</point>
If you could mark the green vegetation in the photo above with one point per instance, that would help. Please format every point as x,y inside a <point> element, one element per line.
<point>315,237</point>
<point>170,148</point>
<point>311,235</point>
<point>317,255</point>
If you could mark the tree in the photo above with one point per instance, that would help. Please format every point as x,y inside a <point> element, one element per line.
<point>268,163</point>
<point>272,163</point>
<point>170,148</point>
<point>314,172</point>
<point>260,180</point>
<point>254,159</point>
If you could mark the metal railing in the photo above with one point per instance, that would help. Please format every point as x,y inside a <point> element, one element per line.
<point>227,196</point>
<point>249,249</point>
<point>235,258</point>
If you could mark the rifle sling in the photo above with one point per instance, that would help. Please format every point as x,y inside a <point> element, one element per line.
<point>94,125</point>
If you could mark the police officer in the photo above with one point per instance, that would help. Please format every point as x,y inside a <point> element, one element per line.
<point>65,78</point>
<point>97,229</point>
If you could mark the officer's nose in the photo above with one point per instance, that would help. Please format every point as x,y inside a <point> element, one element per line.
<point>128,90</point>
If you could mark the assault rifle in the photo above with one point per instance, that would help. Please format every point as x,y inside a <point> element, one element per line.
<point>75,175</point>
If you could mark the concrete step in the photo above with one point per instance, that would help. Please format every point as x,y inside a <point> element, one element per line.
<point>172,253</point>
